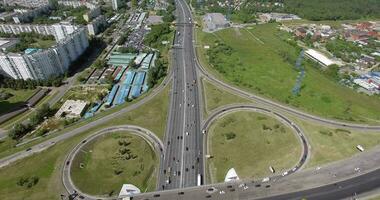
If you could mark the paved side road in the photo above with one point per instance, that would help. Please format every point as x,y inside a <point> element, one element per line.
<point>147,135</point>
<point>50,142</point>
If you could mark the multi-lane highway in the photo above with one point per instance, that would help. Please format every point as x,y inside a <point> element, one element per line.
<point>183,140</point>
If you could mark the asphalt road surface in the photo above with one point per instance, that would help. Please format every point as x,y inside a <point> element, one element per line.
<point>183,140</point>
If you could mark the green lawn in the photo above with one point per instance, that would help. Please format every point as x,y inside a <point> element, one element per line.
<point>47,165</point>
<point>101,159</point>
<point>253,149</point>
<point>43,44</point>
<point>216,97</point>
<point>256,65</point>
<point>19,97</point>
<point>330,144</point>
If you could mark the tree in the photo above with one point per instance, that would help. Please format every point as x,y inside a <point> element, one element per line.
<point>18,131</point>
<point>134,4</point>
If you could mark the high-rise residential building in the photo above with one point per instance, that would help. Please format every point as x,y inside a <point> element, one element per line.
<point>115,4</point>
<point>44,63</point>
<point>59,31</point>
<point>25,3</point>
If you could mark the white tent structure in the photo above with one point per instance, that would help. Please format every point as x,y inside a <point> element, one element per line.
<point>231,176</point>
<point>127,190</point>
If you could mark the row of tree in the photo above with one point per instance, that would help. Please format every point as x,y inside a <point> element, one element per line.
<point>21,129</point>
<point>17,84</point>
<point>158,71</point>
<point>333,10</point>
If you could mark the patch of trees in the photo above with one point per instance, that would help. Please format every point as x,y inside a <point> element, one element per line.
<point>129,49</point>
<point>343,49</point>
<point>123,38</point>
<point>27,40</point>
<point>17,84</point>
<point>28,181</point>
<point>217,53</point>
<point>157,72</point>
<point>158,33</point>
<point>21,129</point>
<point>333,10</point>
<point>168,16</point>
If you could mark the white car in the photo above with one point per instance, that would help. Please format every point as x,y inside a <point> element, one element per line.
<point>285,173</point>
<point>265,179</point>
<point>187,133</point>
<point>222,192</point>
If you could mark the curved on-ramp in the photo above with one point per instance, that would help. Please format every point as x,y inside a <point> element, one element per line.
<point>147,135</point>
<point>246,107</point>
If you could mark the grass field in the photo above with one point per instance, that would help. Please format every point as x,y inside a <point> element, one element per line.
<point>47,165</point>
<point>251,142</point>
<point>331,144</point>
<point>43,44</point>
<point>216,97</point>
<point>19,97</point>
<point>95,170</point>
<point>256,64</point>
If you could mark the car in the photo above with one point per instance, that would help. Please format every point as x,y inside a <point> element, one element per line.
<point>28,149</point>
<point>266,179</point>
<point>285,173</point>
<point>187,133</point>
<point>258,185</point>
<point>229,186</point>
<point>267,186</point>
<point>245,187</point>
<point>241,185</point>
<point>208,196</point>
<point>204,131</point>
<point>181,193</point>
<point>222,192</point>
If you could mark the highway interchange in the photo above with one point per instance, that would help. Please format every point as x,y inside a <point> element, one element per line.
<point>184,141</point>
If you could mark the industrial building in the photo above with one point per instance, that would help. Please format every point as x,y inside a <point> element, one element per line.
<point>43,63</point>
<point>71,109</point>
<point>319,58</point>
<point>214,22</point>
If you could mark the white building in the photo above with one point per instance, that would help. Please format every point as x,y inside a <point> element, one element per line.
<point>71,109</point>
<point>215,21</point>
<point>231,176</point>
<point>63,30</point>
<point>42,64</point>
<point>366,84</point>
<point>25,3</point>
<point>319,58</point>
<point>128,190</point>
<point>115,4</point>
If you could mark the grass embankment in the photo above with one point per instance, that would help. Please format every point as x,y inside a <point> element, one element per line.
<point>251,142</point>
<point>259,62</point>
<point>216,97</point>
<point>330,144</point>
<point>18,98</point>
<point>47,164</point>
<point>104,165</point>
